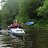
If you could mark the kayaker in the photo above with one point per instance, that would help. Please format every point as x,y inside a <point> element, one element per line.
<point>14,24</point>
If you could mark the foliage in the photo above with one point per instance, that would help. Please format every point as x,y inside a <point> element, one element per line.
<point>24,11</point>
<point>10,10</point>
<point>0,18</point>
<point>43,10</point>
<point>28,8</point>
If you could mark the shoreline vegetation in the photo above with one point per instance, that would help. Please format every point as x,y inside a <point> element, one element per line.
<point>25,11</point>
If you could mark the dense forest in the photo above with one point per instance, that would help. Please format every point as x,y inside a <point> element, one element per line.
<point>24,11</point>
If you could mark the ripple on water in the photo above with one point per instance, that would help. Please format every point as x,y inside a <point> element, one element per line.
<point>15,42</point>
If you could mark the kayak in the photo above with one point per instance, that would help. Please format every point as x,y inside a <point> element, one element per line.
<point>17,32</point>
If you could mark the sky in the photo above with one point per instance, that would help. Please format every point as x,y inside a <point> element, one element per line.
<point>2,4</point>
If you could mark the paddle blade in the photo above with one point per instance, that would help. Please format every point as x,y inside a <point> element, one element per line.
<point>29,23</point>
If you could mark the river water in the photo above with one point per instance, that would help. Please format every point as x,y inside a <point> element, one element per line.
<point>32,39</point>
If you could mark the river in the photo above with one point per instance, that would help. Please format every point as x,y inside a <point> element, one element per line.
<point>32,39</point>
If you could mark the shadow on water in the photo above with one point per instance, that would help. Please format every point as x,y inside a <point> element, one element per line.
<point>33,39</point>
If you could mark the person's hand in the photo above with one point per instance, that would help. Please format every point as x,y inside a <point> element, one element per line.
<point>8,26</point>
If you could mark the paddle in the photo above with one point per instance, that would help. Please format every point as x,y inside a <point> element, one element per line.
<point>29,23</point>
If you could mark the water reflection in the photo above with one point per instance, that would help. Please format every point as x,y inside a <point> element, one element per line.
<point>7,41</point>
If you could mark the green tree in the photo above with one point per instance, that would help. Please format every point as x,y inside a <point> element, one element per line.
<point>0,18</point>
<point>27,8</point>
<point>10,10</point>
<point>43,10</point>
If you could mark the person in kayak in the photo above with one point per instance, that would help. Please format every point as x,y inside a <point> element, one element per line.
<point>15,25</point>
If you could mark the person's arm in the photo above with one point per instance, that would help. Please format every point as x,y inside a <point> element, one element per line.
<point>10,25</point>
